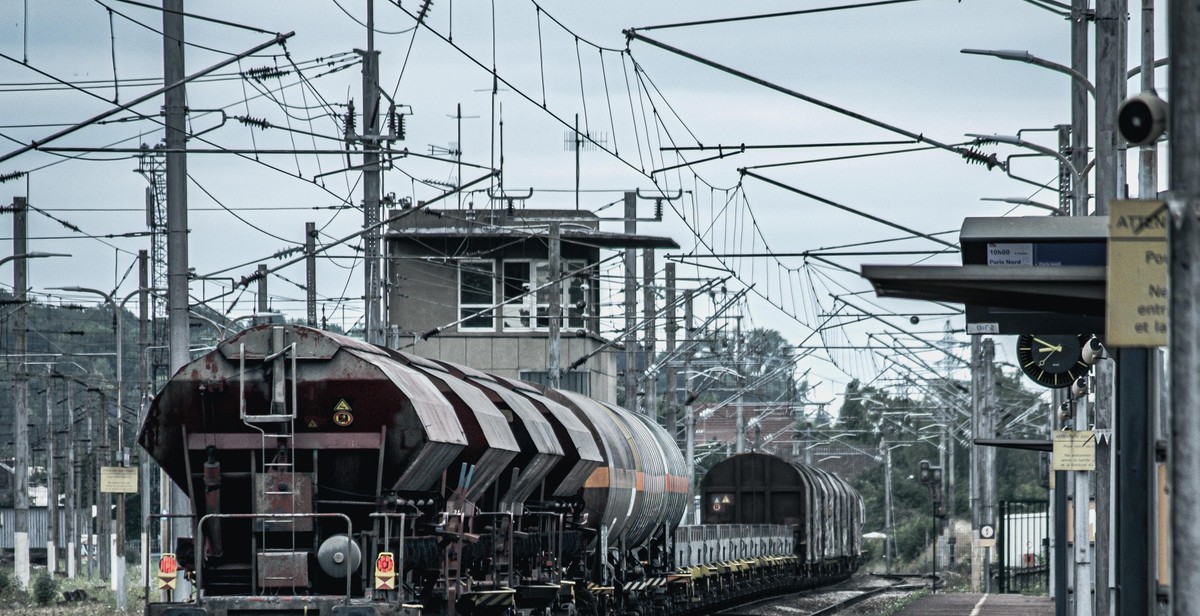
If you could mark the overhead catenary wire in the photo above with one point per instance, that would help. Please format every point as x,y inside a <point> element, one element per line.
<point>743,227</point>
<point>141,99</point>
<point>970,155</point>
<point>840,206</point>
<point>724,20</point>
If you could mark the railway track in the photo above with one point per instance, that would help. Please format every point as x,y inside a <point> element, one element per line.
<point>818,602</point>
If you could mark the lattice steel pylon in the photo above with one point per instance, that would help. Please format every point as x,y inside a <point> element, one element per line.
<point>152,165</point>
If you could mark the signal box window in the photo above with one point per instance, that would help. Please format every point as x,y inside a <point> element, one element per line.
<point>517,310</point>
<point>476,294</point>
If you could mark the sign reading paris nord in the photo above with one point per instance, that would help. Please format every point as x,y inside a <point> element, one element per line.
<point>1136,306</point>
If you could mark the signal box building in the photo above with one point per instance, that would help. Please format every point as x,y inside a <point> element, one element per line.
<point>473,287</point>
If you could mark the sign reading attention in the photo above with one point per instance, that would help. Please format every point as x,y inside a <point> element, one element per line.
<point>1136,305</point>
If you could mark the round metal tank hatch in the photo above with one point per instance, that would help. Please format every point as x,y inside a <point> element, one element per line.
<point>337,553</point>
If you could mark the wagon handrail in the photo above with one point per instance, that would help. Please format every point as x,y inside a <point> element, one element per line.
<point>252,516</point>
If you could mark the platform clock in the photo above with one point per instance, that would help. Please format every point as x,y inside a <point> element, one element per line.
<point>1052,360</point>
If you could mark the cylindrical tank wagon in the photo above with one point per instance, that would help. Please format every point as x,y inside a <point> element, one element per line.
<point>281,426</point>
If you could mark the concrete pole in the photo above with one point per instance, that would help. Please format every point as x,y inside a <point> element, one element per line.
<point>103,501</point>
<point>1105,379</point>
<point>689,418</point>
<point>310,273</point>
<point>1082,537</point>
<point>72,486</point>
<point>1148,189</point>
<point>91,504</point>
<point>976,460</point>
<point>887,503</point>
<point>951,484</point>
<point>650,381</point>
<point>21,405</point>
<point>372,181</point>
<point>143,403</point>
<point>178,321</point>
<point>1148,154</point>
<point>740,383</point>
<point>264,300</point>
<point>1110,21</point>
<point>1079,103</point>
<point>939,536</point>
<point>630,306</point>
<point>983,459</point>
<point>118,537</point>
<point>1109,183</point>
<point>1183,21</point>
<point>671,397</point>
<point>554,344</point>
<point>51,483</point>
<point>987,471</point>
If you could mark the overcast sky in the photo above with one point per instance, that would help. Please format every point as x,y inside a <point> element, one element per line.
<point>898,64</point>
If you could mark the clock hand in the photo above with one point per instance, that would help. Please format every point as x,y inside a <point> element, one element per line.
<point>1048,352</point>
<point>1053,346</point>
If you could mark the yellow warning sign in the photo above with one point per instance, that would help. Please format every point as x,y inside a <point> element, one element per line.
<point>1074,450</point>
<point>312,423</point>
<point>1137,275</point>
<point>343,418</point>
<point>342,405</point>
<point>721,501</point>
<point>385,571</point>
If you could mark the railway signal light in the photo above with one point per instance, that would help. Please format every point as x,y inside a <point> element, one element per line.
<point>168,571</point>
<point>385,571</point>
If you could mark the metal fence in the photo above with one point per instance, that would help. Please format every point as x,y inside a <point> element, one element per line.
<point>37,528</point>
<point>1023,544</point>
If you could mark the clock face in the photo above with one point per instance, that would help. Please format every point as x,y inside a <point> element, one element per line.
<point>1052,360</point>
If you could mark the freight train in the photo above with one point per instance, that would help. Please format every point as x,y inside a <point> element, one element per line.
<point>331,477</point>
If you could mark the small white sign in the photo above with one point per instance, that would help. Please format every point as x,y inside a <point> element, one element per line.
<point>987,531</point>
<point>983,328</point>
<point>1016,253</point>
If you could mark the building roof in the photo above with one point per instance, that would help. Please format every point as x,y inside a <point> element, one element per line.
<point>580,227</point>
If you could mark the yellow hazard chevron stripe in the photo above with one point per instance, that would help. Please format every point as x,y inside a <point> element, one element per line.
<point>492,597</point>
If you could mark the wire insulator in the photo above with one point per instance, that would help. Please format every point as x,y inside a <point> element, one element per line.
<point>259,123</point>
<point>396,124</point>
<point>977,157</point>
<point>425,6</point>
<point>658,210</point>
<point>350,121</point>
<point>265,72</point>
<point>8,177</point>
